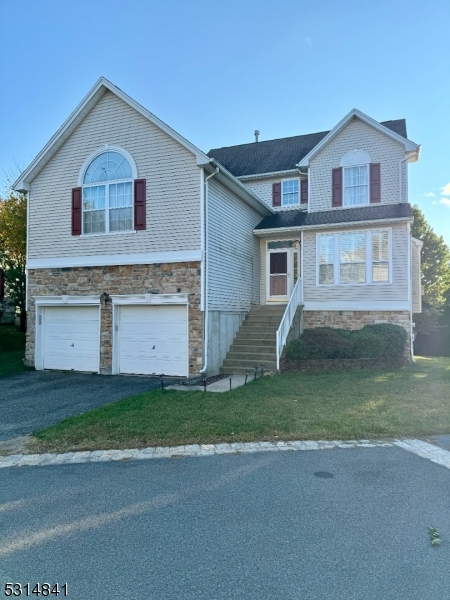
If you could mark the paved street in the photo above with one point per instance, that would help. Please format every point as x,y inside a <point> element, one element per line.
<point>329,524</point>
<point>35,399</point>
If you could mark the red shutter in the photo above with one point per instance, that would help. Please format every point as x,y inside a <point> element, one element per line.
<point>139,204</point>
<point>375,183</point>
<point>337,187</point>
<point>276,194</point>
<point>76,211</point>
<point>304,191</point>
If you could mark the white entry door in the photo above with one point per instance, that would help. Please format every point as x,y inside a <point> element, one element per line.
<point>153,340</point>
<point>71,338</point>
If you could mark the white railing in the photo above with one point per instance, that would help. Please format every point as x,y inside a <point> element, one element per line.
<point>289,314</point>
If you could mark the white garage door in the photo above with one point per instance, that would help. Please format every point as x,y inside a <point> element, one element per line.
<point>153,339</point>
<point>71,338</point>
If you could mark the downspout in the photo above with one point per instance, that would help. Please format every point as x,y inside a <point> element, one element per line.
<point>206,263</point>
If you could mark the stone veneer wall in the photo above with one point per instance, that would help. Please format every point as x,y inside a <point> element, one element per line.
<point>349,319</point>
<point>170,278</point>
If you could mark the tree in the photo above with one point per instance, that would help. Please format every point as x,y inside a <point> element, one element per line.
<point>13,232</point>
<point>435,285</point>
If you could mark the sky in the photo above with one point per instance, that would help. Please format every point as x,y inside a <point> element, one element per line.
<point>216,71</point>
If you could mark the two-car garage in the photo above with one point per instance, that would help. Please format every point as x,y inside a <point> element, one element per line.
<point>145,338</point>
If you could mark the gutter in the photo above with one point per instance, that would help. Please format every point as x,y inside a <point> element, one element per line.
<point>206,263</point>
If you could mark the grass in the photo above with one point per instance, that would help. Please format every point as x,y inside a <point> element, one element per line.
<point>413,401</point>
<point>12,351</point>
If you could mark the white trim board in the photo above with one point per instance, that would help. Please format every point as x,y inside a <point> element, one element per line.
<point>66,300</point>
<point>127,299</point>
<point>105,260</point>
<point>356,305</point>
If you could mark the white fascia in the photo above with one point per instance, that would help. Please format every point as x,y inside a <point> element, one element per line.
<point>410,147</point>
<point>86,105</point>
<point>293,230</point>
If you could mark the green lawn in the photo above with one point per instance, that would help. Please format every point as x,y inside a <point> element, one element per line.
<point>12,350</point>
<point>413,401</point>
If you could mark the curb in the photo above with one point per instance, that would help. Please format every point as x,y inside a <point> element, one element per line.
<point>191,450</point>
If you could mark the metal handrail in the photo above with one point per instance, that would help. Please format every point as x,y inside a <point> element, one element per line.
<point>288,317</point>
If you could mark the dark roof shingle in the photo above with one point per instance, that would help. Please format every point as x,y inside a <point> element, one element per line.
<point>301,218</point>
<point>277,155</point>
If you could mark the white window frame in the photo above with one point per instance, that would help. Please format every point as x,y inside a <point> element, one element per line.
<point>298,195</point>
<point>369,261</point>
<point>367,167</point>
<point>134,175</point>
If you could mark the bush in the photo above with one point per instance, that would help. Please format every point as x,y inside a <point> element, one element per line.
<point>372,341</point>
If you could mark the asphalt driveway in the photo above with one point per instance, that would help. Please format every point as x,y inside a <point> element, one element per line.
<point>35,399</point>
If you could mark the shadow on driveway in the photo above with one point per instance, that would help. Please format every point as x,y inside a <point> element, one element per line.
<point>35,399</point>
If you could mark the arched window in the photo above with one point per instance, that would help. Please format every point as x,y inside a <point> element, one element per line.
<point>108,193</point>
<point>355,165</point>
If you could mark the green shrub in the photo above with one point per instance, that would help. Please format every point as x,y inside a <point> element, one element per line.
<point>372,341</point>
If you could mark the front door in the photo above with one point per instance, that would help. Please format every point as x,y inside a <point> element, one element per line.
<point>279,276</point>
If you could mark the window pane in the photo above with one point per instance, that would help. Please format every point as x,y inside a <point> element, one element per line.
<point>276,245</point>
<point>326,249</point>
<point>380,245</point>
<point>120,195</point>
<point>356,189</point>
<point>108,166</point>
<point>326,273</point>
<point>120,219</point>
<point>353,273</point>
<point>353,247</point>
<point>94,221</point>
<point>94,198</point>
<point>290,192</point>
<point>380,272</point>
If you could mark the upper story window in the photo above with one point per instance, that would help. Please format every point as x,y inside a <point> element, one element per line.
<point>357,181</point>
<point>107,199</point>
<point>290,192</point>
<point>356,185</point>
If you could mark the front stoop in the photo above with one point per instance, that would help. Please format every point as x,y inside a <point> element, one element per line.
<point>255,342</point>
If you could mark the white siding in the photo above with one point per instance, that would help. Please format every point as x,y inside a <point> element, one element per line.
<point>233,251</point>
<point>173,188</point>
<point>357,135</point>
<point>263,189</point>
<point>396,291</point>
<point>416,277</point>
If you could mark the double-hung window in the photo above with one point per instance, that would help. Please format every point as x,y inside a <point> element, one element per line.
<point>108,194</point>
<point>354,257</point>
<point>290,192</point>
<point>356,185</point>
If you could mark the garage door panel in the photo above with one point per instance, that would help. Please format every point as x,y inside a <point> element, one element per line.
<point>71,338</point>
<point>153,339</point>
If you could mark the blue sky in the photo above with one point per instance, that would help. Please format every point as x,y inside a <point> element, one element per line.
<point>216,71</point>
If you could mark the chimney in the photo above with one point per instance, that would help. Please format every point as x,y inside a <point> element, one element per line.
<point>256,134</point>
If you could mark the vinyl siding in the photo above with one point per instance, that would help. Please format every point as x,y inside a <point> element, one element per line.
<point>381,149</point>
<point>233,251</point>
<point>395,291</point>
<point>263,189</point>
<point>416,277</point>
<point>173,188</point>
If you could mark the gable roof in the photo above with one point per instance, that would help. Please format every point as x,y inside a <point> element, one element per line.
<point>102,86</point>
<point>301,219</point>
<point>287,154</point>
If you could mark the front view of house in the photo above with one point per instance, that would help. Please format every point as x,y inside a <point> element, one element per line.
<point>147,256</point>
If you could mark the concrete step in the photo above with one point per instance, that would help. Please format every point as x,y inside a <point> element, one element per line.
<point>255,342</point>
<point>254,356</point>
<point>239,366</point>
